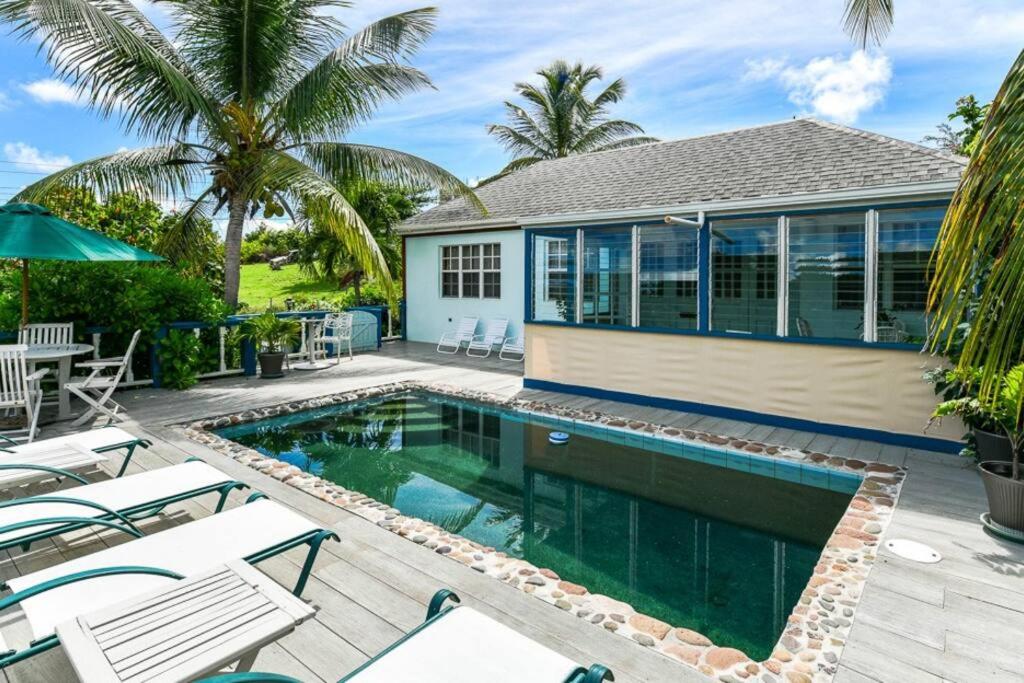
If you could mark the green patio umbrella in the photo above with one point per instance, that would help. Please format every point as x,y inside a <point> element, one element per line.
<point>30,231</point>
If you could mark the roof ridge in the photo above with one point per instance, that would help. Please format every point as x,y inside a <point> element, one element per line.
<point>878,137</point>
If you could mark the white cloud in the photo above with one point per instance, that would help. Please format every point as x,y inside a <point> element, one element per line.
<point>832,87</point>
<point>5,102</point>
<point>32,159</point>
<point>50,90</point>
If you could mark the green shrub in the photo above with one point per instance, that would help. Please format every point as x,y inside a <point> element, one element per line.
<point>180,354</point>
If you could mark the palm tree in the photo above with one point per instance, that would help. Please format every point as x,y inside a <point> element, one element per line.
<point>247,103</point>
<point>978,263</point>
<point>559,119</point>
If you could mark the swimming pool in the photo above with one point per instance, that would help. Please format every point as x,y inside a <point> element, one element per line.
<point>696,537</point>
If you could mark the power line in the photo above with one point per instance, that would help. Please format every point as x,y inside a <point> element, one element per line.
<point>34,164</point>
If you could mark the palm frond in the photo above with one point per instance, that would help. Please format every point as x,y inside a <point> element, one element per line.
<point>985,224</point>
<point>605,134</point>
<point>187,233</point>
<point>351,81</point>
<point>613,93</point>
<point>343,163</point>
<point>114,59</point>
<point>156,172</point>
<point>868,21</point>
<point>250,49</point>
<point>511,167</point>
<point>325,206</point>
<point>634,141</point>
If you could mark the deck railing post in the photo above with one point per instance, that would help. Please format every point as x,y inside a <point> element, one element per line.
<point>154,355</point>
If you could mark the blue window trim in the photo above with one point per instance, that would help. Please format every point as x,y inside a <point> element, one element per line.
<point>891,438</point>
<point>704,280</point>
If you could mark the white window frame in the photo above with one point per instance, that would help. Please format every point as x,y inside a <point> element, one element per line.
<point>548,269</point>
<point>461,254</point>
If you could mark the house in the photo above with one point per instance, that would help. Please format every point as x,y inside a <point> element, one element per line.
<point>787,287</point>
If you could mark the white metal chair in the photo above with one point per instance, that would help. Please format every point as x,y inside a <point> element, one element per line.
<point>46,334</point>
<point>514,347</point>
<point>481,345</point>
<point>19,390</point>
<point>96,389</point>
<point>452,341</point>
<point>336,330</point>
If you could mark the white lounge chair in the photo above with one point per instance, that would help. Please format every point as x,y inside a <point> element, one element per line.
<point>113,503</point>
<point>514,349</point>
<point>102,440</point>
<point>484,649</point>
<point>252,532</point>
<point>453,340</point>
<point>19,390</point>
<point>66,461</point>
<point>481,345</point>
<point>96,389</point>
<point>336,330</point>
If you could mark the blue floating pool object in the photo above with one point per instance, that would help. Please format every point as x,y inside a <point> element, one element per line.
<point>558,438</point>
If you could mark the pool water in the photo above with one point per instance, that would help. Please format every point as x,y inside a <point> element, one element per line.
<point>708,547</point>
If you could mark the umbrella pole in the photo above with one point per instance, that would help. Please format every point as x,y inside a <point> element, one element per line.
<point>24,292</point>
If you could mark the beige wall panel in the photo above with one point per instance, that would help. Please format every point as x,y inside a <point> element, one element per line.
<point>859,387</point>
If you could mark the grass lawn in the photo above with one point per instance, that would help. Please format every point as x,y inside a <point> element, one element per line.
<point>260,284</point>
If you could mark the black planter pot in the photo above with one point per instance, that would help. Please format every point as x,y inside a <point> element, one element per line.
<point>992,446</point>
<point>271,365</point>
<point>1005,496</point>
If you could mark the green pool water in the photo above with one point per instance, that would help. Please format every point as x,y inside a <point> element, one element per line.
<point>714,548</point>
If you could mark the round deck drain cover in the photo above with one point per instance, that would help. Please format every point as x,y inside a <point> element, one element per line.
<point>912,550</point>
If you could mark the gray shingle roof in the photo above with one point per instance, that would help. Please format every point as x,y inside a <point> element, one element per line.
<point>800,156</point>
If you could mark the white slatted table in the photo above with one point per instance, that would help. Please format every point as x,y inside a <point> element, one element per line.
<point>191,628</point>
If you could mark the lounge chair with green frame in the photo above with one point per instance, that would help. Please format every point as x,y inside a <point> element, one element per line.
<point>430,654</point>
<point>113,503</point>
<point>65,458</point>
<point>253,532</point>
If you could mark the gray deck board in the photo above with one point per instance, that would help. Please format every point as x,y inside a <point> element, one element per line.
<point>959,620</point>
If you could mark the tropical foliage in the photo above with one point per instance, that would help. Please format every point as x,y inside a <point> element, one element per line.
<point>560,119</point>
<point>960,141</point>
<point>247,104</point>
<point>271,333</point>
<point>324,256</point>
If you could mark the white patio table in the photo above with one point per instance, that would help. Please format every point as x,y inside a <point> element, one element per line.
<point>63,354</point>
<point>311,363</point>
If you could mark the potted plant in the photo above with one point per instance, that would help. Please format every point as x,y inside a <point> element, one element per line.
<point>1003,486</point>
<point>272,335</point>
<point>986,440</point>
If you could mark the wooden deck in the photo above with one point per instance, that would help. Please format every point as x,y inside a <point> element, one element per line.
<point>959,620</point>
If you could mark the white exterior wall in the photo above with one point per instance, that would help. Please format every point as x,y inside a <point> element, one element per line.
<point>428,315</point>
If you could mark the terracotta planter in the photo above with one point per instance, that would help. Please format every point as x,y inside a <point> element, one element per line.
<point>993,446</point>
<point>271,365</point>
<point>1005,496</point>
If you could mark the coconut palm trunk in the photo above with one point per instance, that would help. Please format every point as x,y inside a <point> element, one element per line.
<point>233,250</point>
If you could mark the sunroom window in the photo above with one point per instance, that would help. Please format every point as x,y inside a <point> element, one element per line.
<point>554,277</point>
<point>608,276</point>
<point>668,277</point>
<point>826,276</point>
<point>905,241</point>
<point>744,271</point>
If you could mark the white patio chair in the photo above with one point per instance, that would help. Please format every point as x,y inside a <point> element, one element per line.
<point>481,345</point>
<point>336,330</point>
<point>514,347</point>
<point>46,334</point>
<point>19,390</point>
<point>452,341</point>
<point>96,389</point>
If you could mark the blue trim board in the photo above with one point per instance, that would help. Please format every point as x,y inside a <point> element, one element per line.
<point>892,438</point>
<point>704,278</point>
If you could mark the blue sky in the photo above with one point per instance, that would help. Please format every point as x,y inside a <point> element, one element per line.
<point>692,67</point>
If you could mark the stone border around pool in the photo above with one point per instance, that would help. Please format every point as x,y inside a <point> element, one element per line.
<point>813,639</point>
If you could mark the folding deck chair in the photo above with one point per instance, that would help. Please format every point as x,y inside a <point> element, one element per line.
<point>452,341</point>
<point>19,390</point>
<point>97,389</point>
<point>114,503</point>
<point>484,650</point>
<point>253,532</point>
